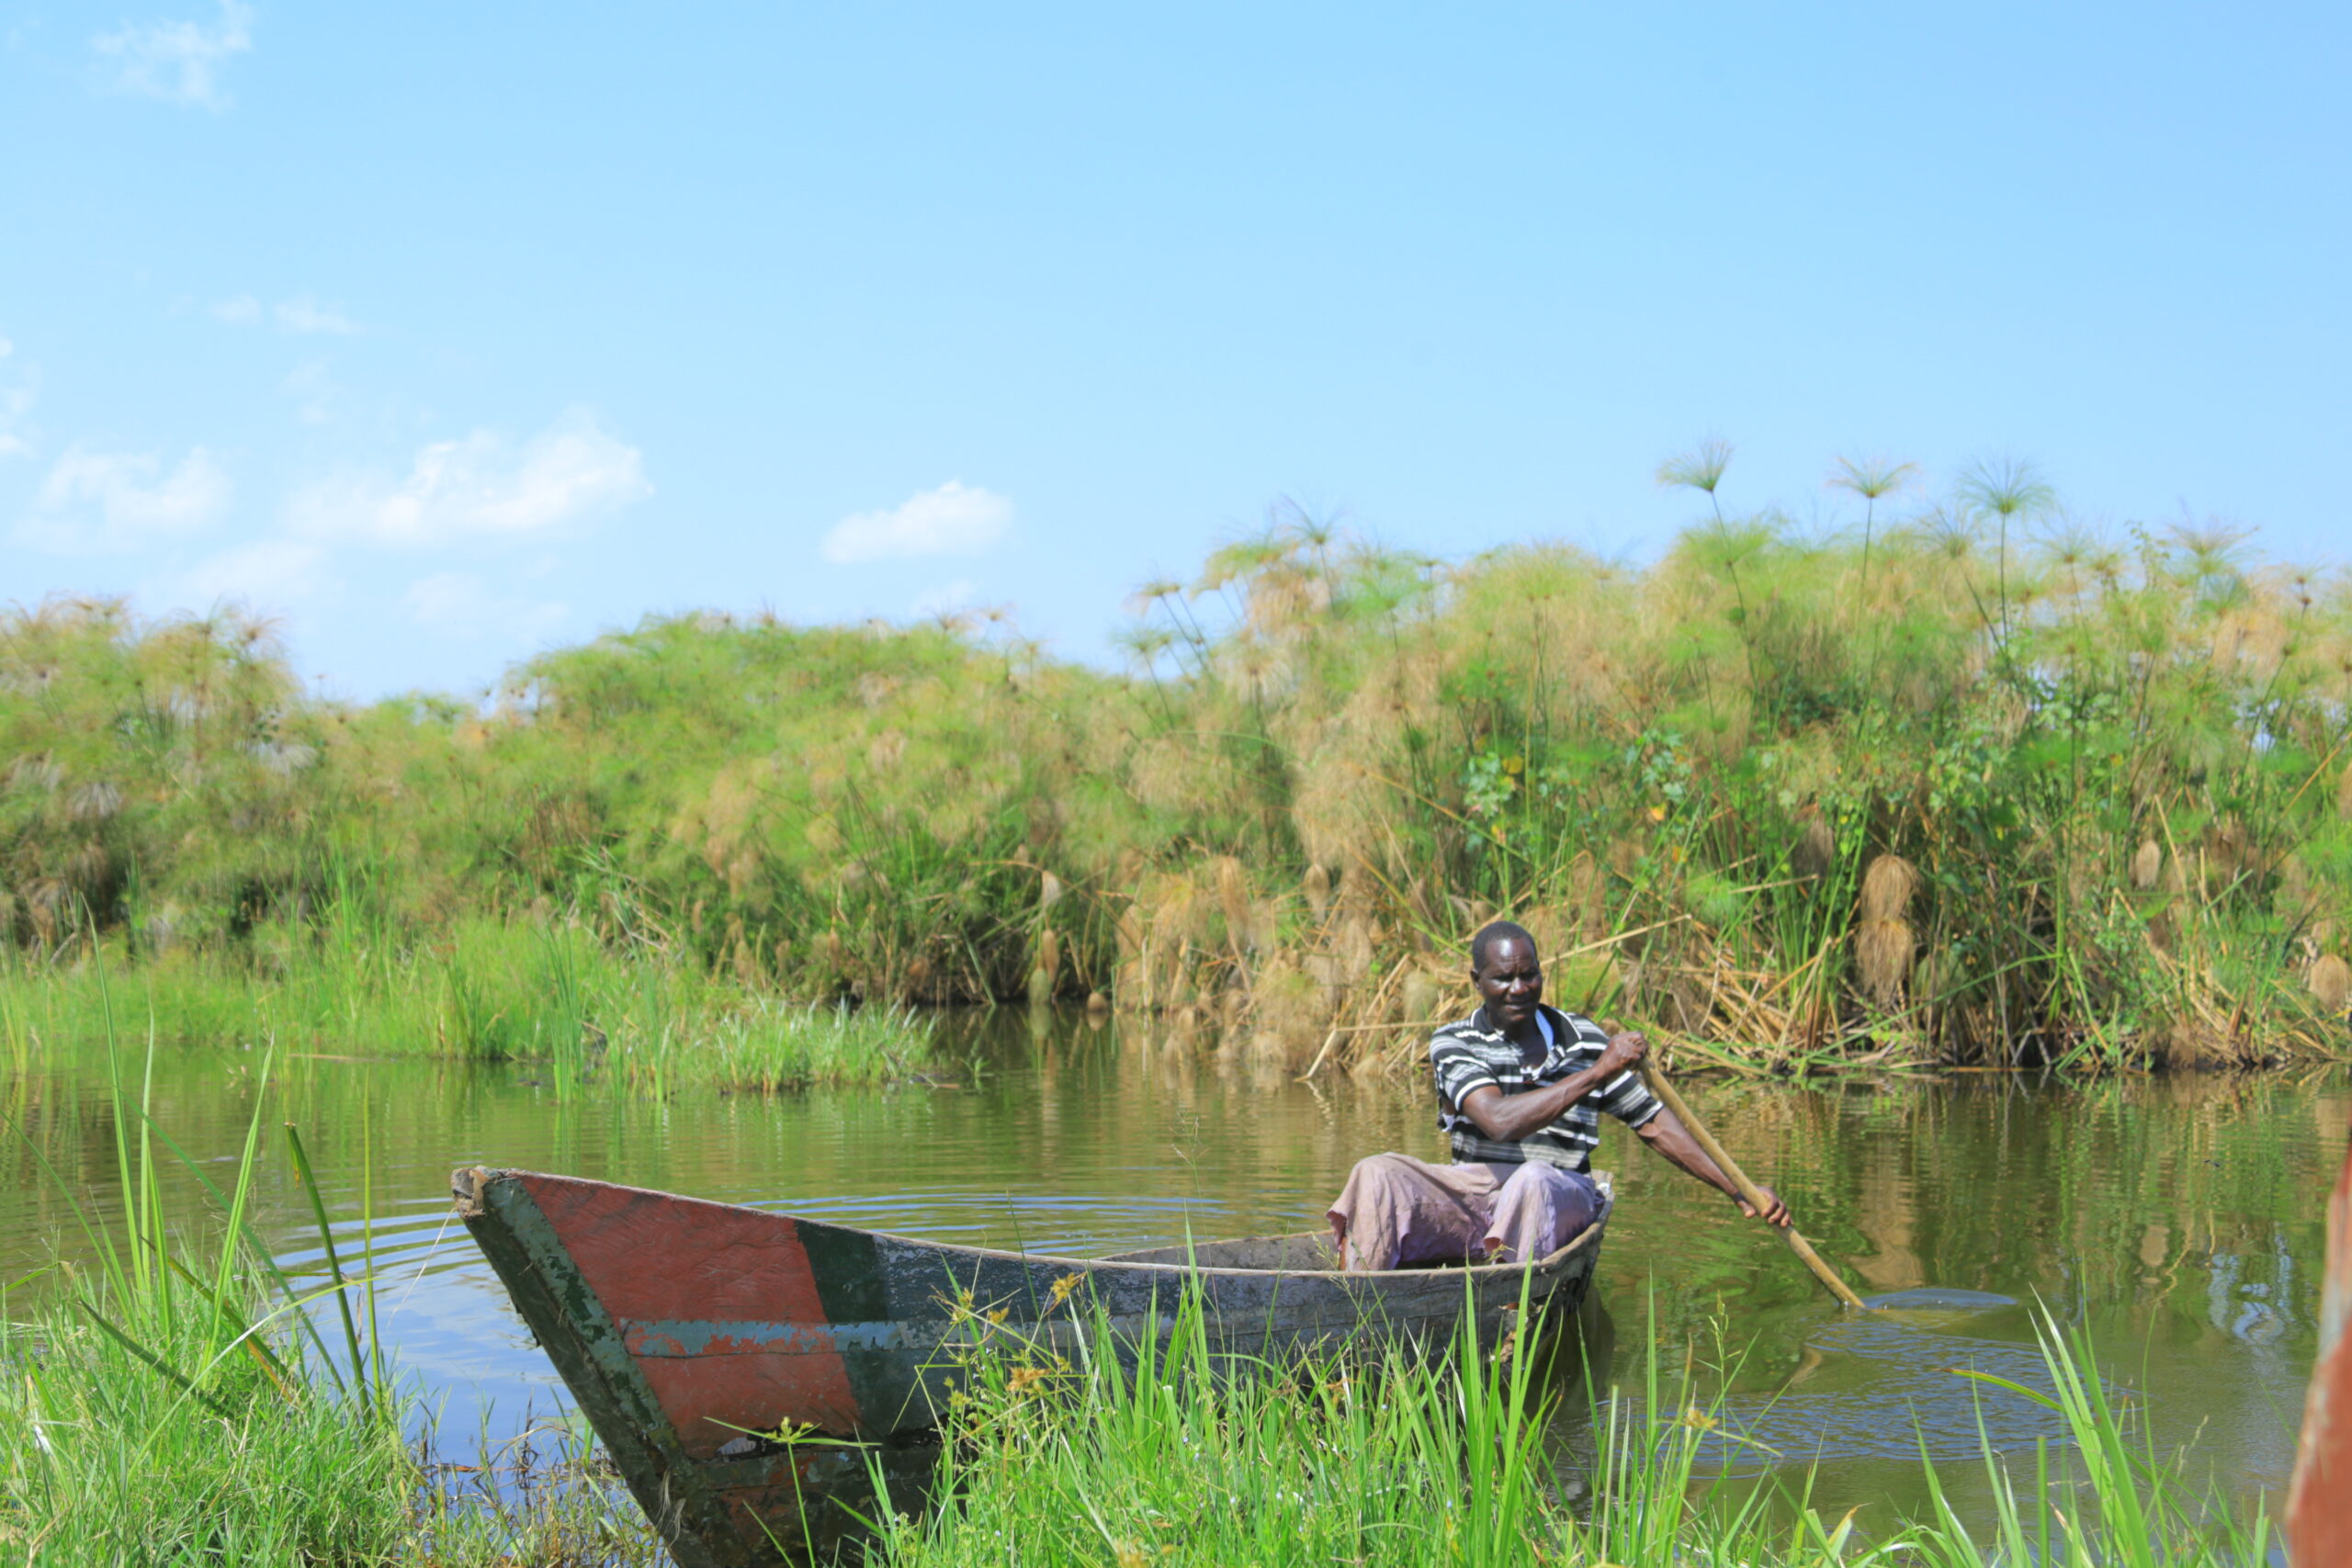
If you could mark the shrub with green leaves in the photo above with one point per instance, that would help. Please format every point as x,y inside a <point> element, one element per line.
<point>2113,772</point>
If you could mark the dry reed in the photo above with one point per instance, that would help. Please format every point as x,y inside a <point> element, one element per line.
<point>2330,978</point>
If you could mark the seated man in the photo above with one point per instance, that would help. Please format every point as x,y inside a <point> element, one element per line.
<point>1520,1091</point>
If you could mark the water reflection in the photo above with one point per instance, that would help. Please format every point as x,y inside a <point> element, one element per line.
<point>2178,1220</point>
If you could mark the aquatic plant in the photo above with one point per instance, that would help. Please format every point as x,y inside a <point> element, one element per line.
<point>1180,1454</point>
<point>587,1014</point>
<point>2115,768</point>
<point>773,1046</point>
<point>1175,1454</point>
<point>185,1398</point>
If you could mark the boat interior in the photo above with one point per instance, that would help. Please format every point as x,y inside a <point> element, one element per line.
<point>1308,1250</point>
<point>1302,1252</point>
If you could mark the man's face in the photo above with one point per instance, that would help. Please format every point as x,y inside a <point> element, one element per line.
<point>1511,982</point>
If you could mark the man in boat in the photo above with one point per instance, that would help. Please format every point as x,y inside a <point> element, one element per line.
<point>1520,1088</point>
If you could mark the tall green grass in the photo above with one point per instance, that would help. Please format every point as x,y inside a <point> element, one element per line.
<point>485,991</point>
<point>164,1426</point>
<point>176,1401</point>
<point>2115,1499</point>
<point>1178,1457</point>
<point>180,1397</point>
<point>774,1046</point>
<point>1174,1454</point>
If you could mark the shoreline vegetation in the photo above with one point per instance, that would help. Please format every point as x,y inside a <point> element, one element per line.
<point>549,994</point>
<point>1404,1461</point>
<point>180,1396</point>
<point>1965,786</point>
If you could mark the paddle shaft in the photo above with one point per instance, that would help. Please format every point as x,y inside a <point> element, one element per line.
<point>1656,1079</point>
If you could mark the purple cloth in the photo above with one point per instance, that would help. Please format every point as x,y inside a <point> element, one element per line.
<point>1397,1209</point>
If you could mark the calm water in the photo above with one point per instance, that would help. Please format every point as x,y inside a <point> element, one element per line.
<point>2178,1219</point>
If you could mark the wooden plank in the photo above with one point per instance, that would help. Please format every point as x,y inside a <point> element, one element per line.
<point>2319,1501</point>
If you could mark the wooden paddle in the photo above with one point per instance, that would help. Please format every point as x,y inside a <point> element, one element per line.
<point>1655,1076</point>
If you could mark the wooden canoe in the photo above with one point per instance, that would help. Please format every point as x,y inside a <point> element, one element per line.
<point>683,1327</point>
<point>2319,1502</point>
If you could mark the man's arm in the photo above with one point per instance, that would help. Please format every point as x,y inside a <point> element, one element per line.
<point>1667,1134</point>
<point>1509,1118</point>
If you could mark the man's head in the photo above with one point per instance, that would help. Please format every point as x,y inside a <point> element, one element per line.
<point>1505,968</point>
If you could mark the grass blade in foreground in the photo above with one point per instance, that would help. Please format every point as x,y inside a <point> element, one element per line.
<point>1185,1462</point>
<point>174,1406</point>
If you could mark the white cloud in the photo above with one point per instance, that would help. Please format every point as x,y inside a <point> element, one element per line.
<point>16,402</point>
<point>312,391</point>
<point>113,502</point>
<point>7,348</point>
<point>268,572</point>
<point>957,519</point>
<point>177,62</point>
<point>463,605</point>
<point>304,314</point>
<point>481,487</point>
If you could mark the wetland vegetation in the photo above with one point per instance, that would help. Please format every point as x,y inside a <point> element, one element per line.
<point>1968,785</point>
<point>171,1394</point>
<point>1404,1462</point>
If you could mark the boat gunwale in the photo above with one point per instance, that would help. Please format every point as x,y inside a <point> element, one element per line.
<point>1477,1273</point>
<point>1481,1272</point>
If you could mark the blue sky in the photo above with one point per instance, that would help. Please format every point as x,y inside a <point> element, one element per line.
<point>446,334</point>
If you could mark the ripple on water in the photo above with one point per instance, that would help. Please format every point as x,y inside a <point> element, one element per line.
<point>1860,1366</point>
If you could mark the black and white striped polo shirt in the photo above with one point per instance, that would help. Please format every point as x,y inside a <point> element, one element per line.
<point>1470,1054</point>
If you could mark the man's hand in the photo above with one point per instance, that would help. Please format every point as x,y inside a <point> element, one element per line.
<point>1623,1050</point>
<point>1777,1214</point>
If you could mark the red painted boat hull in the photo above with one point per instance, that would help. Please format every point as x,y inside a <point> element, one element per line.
<point>684,1327</point>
